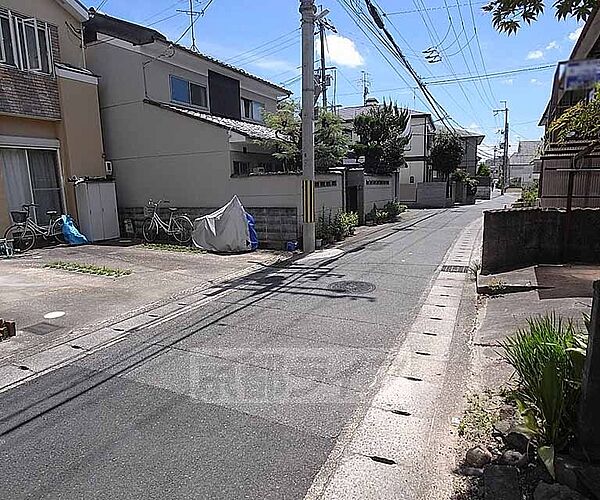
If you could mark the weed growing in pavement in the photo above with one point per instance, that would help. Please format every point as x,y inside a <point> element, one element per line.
<point>172,248</point>
<point>482,412</point>
<point>497,286</point>
<point>88,269</point>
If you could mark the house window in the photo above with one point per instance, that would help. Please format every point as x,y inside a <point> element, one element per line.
<point>323,184</point>
<point>253,110</point>
<point>25,43</point>
<point>187,92</point>
<point>241,168</point>
<point>31,176</point>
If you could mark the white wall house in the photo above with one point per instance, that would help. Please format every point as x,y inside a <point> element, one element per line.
<point>182,126</point>
<point>414,182</point>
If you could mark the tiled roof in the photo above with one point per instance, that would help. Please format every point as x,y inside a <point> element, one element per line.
<point>248,129</point>
<point>526,152</point>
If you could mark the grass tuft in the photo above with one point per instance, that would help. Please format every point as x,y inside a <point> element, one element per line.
<point>88,269</point>
<point>166,247</point>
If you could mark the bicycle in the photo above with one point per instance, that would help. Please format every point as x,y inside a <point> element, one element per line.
<point>24,230</point>
<point>180,226</point>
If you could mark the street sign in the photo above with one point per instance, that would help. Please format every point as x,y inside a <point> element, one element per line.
<point>582,74</point>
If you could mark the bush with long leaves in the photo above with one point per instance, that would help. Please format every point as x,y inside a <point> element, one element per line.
<point>548,358</point>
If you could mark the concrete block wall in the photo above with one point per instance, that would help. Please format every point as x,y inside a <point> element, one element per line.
<point>275,226</point>
<point>520,237</point>
<point>432,195</point>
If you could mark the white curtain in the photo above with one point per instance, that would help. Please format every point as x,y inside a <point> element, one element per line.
<point>13,163</point>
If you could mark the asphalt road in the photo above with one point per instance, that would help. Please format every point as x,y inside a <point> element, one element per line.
<point>243,397</point>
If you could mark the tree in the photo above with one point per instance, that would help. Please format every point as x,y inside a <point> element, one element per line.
<point>446,153</point>
<point>581,121</point>
<point>288,127</point>
<point>331,145</point>
<point>382,133</point>
<point>507,15</point>
<point>483,170</point>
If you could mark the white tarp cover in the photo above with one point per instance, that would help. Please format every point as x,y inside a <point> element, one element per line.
<point>225,230</point>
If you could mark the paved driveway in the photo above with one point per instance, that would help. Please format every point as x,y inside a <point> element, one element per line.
<point>29,290</point>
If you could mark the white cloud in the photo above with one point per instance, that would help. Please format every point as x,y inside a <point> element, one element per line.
<point>274,64</point>
<point>535,81</point>
<point>342,51</point>
<point>575,34</point>
<point>552,45</point>
<point>508,81</point>
<point>474,127</point>
<point>535,54</point>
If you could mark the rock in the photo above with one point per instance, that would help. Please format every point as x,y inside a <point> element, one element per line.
<point>517,441</point>
<point>511,457</point>
<point>545,491</point>
<point>502,428</point>
<point>501,482</point>
<point>471,471</point>
<point>478,457</point>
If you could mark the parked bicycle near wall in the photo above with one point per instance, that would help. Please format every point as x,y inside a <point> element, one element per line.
<point>179,226</point>
<point>24,231</point>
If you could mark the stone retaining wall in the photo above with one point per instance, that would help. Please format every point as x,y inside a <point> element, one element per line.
<point>275,226</point>
<point>521,237</point>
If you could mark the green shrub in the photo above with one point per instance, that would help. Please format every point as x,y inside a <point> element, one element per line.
<point>548,358</point>
<point>335,228</point>
<point>393,208</point>
<point>530,194</point>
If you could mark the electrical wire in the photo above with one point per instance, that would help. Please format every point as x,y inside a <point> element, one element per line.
<point>267,43</point>
<point>414,11</point>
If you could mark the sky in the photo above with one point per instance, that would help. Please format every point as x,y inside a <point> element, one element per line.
<point>263,37</point>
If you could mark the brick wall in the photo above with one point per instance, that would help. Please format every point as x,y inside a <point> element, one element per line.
<point>28,93</point>
<point>520,237</point>
<point>275,226</point>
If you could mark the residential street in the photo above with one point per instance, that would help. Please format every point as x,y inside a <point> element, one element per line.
<point>243,396</point>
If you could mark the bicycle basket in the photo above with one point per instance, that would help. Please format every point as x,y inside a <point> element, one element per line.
<point>18,216</point>
<point>148,211</point>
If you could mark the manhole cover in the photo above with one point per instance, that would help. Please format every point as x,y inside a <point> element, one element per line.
<point>455,269</point>
<point>352,286</point>
<point>42,328</point>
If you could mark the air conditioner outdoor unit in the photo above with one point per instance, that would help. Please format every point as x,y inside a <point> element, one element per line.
<point>108,167</point>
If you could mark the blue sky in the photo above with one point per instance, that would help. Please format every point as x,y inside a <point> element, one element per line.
<point>231,29</point>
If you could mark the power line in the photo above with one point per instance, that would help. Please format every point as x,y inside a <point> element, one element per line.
<point>479,48</point>
<point>414,11</point>
<point>242,55</point>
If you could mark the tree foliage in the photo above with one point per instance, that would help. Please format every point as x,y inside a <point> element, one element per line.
<point>508,15</point>
<point>382,137</point>
<point>483,170</point>
<point>446,153</point>
<point>331,145</point>
<point>581,121</point>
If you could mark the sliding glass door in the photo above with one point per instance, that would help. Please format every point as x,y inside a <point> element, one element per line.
<point>31,176</point>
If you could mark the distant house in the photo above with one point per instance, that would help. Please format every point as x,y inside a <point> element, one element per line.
<point>570,172</point>
<point>49,114</point>
<point>471,141</point>
<point>414,182</point>
<point>183,126</point>
<point>521,163</point>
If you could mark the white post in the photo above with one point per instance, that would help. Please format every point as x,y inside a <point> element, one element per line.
<point>307,10</point>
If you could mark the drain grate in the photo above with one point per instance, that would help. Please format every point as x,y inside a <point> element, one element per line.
<point>352,286</point>
<point>455,269</point>
<point>42,328</point>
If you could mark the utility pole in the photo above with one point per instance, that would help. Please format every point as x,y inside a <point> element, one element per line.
<point>307,11</point>
<point>323,67</point>
<point>505,166</point>
<point>193,14</point>
<point>365,86</point>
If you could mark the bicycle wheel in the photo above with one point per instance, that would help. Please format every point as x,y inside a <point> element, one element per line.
<point>56,231</point>
<point>182,229</point>
<point>23,237</point>
<point>149,230</point>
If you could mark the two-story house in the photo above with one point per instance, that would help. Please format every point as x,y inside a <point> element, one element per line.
<point>182,126</point>
<point>414,182</point>
<point>49,112</point>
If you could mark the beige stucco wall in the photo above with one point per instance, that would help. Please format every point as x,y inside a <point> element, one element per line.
<point>51,12</point>
<point>378,195</point>
<point>329,198</point>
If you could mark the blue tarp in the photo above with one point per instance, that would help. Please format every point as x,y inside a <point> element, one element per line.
<point>252,232</point>
<point>71,233</point>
